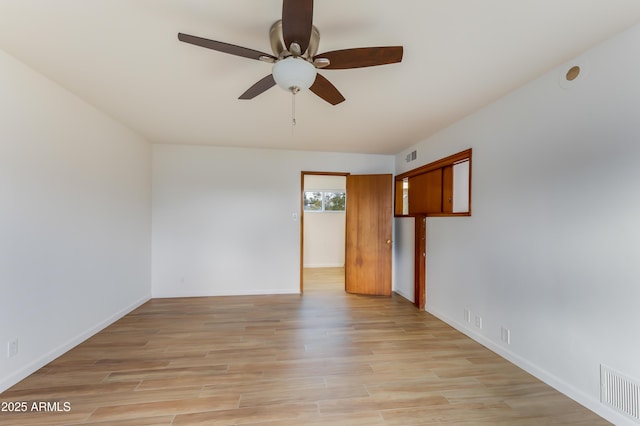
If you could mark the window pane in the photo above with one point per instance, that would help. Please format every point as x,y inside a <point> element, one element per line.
<point>313,201</point>
<point>461,187</point>
<point>405,196</point>
<point>334,201</point>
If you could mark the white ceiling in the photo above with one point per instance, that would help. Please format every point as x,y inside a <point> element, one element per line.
<point>123,57</point>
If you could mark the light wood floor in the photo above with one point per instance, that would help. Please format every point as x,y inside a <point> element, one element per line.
<point>324,358</point>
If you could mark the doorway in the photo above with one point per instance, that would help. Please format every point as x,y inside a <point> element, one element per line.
<point>368,232</point>
<point>322,234</point>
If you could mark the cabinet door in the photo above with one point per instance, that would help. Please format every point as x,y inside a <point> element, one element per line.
<point>447,189</point>
<point>425,193</point>
<point>399,199</point>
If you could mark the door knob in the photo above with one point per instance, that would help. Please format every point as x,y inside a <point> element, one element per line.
<point>388,241</point>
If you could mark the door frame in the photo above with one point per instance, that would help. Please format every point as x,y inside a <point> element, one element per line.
<point>420,261</point>
<point>302,175</point>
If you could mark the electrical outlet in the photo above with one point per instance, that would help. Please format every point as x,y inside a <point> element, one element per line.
<point>505,335</point>
<point>467,315</point>
<point>478,321</point>
<point>12,348</point>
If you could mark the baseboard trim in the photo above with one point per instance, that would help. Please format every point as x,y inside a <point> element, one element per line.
<point>561,386</point>
<point>40,362</point>
<point>230,293</point>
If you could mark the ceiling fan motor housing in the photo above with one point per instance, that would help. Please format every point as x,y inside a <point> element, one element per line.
<point>278,46</point>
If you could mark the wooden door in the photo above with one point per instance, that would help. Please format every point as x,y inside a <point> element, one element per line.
<point>368,235</point>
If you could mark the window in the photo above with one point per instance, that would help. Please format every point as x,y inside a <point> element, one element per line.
<point>405,196</point>
<point>324,201</point>
<point>461,187</point>
<point>334,201</point>
<point>312,201</point>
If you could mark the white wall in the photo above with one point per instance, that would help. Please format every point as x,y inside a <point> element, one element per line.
<point>223,217</point>
<point>552,250</point>
<point>403,258</point>
<point>75,220</point>
<point>324,232</point>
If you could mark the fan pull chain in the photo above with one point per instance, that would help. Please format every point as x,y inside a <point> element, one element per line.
<point>293,110</point>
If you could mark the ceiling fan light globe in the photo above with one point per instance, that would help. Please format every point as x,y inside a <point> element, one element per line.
<point>294,73</point>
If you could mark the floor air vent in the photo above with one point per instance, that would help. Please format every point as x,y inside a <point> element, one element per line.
<point>620,392</point>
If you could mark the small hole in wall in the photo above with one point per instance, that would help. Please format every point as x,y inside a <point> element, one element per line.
<point>573,73</point>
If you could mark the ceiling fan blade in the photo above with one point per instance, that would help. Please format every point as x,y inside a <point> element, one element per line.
<point>297,22</point>
<point>362,57</point>
<point>232,49</point>
<point>261,86</point>
<point>327,91</point>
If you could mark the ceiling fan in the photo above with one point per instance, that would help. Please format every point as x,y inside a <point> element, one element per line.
<point>294,41</point>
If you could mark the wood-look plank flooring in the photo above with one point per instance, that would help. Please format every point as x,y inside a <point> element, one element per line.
<point>324,358</point>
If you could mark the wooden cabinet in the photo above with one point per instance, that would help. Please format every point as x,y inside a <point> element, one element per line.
<point>425,193</point>
<point>441,188</point>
